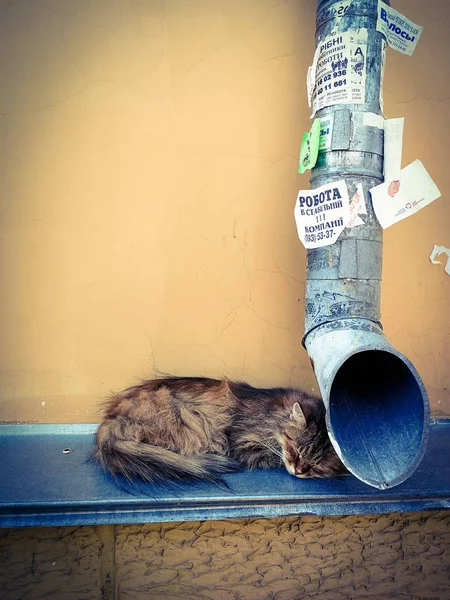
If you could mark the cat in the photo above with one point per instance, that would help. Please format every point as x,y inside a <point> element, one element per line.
<point>195,428</point>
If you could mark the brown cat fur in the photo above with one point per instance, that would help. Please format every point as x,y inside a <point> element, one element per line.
<point>195,428</point>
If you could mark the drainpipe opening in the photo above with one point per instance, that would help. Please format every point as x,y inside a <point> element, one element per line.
<point>377,418</point>
<point>377,406</point>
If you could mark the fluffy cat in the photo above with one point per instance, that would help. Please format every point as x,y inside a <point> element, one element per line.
<point>192,428</point>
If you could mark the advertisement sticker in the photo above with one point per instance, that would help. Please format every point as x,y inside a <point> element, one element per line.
<point>322,214</point>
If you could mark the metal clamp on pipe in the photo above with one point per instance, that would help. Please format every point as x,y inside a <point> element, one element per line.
<point>377,405</point>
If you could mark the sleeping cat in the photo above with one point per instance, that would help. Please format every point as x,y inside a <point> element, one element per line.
<point>192,428</point>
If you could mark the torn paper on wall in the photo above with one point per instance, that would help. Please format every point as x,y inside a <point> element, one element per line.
<point>437,250</point>
<point>322,214</point>
<point>393,146</point>
<point>338,73</point>
<point>401,33</point>
<point>357,207</point>
<point>309,150</point>
<point>399,199</point>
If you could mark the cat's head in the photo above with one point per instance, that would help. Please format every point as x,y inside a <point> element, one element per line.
<point>306,447</point>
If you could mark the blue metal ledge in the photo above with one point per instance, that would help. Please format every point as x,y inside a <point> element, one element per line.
<point>41,483</point>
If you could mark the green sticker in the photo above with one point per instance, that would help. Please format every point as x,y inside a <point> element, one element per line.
<point>310,148</point>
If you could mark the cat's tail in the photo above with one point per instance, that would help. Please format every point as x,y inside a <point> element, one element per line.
<point>139,460</point>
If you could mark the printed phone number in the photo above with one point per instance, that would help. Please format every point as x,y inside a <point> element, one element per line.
<point>328,86</point>
<point>335,74</point>
<point>312,237</point>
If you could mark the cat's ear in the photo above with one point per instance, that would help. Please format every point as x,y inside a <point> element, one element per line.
<point>298,414</point>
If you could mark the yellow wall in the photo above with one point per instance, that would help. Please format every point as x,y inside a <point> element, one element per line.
<point>148,173</point>
<point>381,557</point>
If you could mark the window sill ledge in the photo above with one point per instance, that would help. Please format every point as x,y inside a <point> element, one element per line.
<point>43,485</point>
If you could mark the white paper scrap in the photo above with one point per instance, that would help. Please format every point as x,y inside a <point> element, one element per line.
<point>311,76</point>
<point>437,250</point>
<point>393,146</point>
<point>322,214</point>
<point>338,73</point>
<point>357,207</point>
<point>373,120</point>
<point>399,199</point>
<point>401,33</point>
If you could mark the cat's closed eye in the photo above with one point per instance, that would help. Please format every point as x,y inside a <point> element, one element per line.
<point>290,453</point>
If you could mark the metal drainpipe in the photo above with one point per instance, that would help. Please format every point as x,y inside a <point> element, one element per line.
<point>377,406</point>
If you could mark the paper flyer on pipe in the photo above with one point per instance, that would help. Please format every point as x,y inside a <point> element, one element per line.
<point>338,72</point>
<point>322,214</point>
<point>326,132</point>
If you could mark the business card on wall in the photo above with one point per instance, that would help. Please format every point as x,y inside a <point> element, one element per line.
<point>398,199</point>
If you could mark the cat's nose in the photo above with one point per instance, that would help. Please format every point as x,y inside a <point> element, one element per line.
<point>301,468</point>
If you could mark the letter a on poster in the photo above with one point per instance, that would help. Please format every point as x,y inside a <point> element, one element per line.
<point>322,214</point>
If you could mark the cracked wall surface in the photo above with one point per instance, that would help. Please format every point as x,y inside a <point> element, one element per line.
<point>148,174</point>
<point>63,563</point>
<point>378,557</point>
